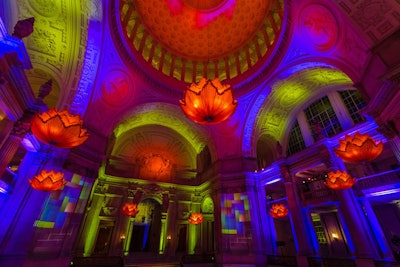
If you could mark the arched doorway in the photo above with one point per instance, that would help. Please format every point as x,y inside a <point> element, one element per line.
<point>147,227</point>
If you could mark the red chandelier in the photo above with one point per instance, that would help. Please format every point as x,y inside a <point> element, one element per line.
<point>129,209</point>
<point>278,211</point>
<point>48,181</point>
<point>196,218</point>
<point>357,148</point>
<point>339,180</point>
<point>208,102</point>
<point>59,129</point>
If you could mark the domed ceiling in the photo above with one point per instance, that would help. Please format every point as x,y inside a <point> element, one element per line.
<point>188,39</point>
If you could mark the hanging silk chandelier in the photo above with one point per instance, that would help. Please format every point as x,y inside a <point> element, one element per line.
<point>358,148</point>
<point>278,211</point>
<point>129,209</point>
<point>339,180</point>
<point>59,129</point>
<point>208,101</point>
<point>48,181</point>
<point>196,218</point>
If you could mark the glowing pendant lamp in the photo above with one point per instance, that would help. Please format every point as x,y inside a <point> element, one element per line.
<point>129,209</point>
<point>208,102</point>
<point>278,211</point>
<point>358,148</point>
<point>339,180</point>
<point>59,129</point>
<point>196,218</point>
<point>48,181</point>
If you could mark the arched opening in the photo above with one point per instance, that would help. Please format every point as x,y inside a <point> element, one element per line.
<point>147,227</point>
<point>267,151</point>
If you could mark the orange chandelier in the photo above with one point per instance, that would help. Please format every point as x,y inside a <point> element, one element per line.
<point>278,211</point>
<point>358,148</point>
<point>208,101</point>
<point>59,129</point>
<point>339,180</point>
<point>48,181</point>
<point>129,209</point>
<point>196,218</point>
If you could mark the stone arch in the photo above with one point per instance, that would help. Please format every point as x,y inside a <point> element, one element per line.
<point>273,109</point>
<point>268,151</point>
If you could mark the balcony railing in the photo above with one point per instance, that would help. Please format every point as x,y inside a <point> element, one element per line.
<point>289,261</point>
<point>327,262</point>
<point>386,264</point>
<point>380,179</point>
<point>318,196</point>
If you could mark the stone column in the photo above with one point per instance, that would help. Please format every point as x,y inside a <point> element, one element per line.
<point>390,131</point>
<point>164,220</point>
<point>354,218</point>
<point>383,244</point>
<point>305,130</point>
<point>10,147</point>
<point>351,212</point>
<point>340,110</point>
<point>20,129</point>
<point>194,238</point>
<point>262,224</point>
<point>298,217</point>
<point>128,236</point>
<point>171,235</point>
<point>163,233</point>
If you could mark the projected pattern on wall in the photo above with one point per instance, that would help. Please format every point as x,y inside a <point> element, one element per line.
<point>234,213</point>
<point>63,202</point>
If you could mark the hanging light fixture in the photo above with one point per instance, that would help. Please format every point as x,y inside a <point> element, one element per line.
<point>358,148</point>
<point>129,209</point>
<point>339,180</point>
<point>278,211</point>
<point>208,101</point>
<point>48,181</point>
<point>196,218</point>
<point>59,129</point>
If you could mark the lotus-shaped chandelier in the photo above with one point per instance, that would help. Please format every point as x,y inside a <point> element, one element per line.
<point>358,148</point>
<point>196,218</point>
<point>129,209</point>
<point>208,101</point>
<point>339,180</point>
<point>278,211</point>
<point>59,129</point>
<point>48,181</point>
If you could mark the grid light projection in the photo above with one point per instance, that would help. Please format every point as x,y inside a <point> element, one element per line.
<point>234,213</point>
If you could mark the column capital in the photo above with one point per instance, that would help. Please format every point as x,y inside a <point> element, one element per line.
<point>23,125</point>
<point>325,155</point>
<point>388,129</point>
<point>285,172</point>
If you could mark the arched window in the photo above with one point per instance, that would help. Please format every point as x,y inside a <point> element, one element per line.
<point>296,140</point>
<point>322,119</point>
<point>354,103</point>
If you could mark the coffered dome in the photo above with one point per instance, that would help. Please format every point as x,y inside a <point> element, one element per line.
<point>187,39</point>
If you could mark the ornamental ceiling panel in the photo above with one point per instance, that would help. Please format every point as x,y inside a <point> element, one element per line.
<point>376,19</point>
<point>57,45</point>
